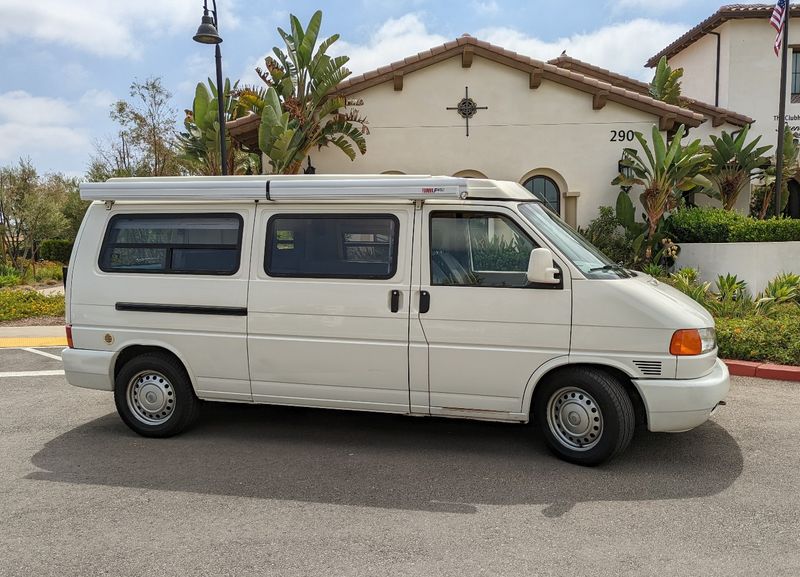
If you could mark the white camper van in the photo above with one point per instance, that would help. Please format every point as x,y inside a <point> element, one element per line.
<point>415,295</point>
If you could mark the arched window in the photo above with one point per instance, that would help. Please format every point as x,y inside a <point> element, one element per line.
<point>547,190</point>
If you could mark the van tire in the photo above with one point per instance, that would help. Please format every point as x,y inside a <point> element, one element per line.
<point>585,415</point>
<point>154,396</point>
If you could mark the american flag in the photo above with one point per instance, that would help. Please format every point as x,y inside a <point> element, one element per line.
<point>777,20</point>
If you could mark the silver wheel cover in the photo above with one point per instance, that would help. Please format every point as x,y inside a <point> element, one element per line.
<point>151,397</point>
<point>574,418</point>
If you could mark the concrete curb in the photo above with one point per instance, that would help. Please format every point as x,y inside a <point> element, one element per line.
<point>38,336</point>
<point>763,370</point>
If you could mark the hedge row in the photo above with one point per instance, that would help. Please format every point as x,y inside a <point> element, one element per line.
<point>719,225</point>
<point>774,338</point>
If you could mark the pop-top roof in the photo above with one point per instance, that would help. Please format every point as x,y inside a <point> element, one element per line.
<point>362,188</point>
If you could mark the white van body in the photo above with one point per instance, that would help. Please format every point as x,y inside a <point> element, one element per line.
<point>369,293</point>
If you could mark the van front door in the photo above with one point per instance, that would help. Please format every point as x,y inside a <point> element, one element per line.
<point>328,312</point>
<point>487,330</point>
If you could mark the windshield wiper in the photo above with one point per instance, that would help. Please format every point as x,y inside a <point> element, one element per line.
<point>613,266</point>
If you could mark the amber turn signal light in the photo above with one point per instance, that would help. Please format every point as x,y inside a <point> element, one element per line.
<point>69,336</point>
<point>686,342</point>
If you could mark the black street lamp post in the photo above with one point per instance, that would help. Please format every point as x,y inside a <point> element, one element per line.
<point>207,33</point>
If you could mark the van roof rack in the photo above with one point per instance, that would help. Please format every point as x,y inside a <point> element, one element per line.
<point>300,187</point>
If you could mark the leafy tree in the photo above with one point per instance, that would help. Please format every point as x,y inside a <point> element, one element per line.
<point>732,164</point>
<point>666,83</point>
<point>762,204</point>
<point>146,142</point>
<point>667,170</point>
<point>300,109</point>
<point>31,209</point>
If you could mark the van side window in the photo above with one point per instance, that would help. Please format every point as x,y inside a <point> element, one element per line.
<point>332,246</point>
<point>173,244</point>
<point>478,249</point>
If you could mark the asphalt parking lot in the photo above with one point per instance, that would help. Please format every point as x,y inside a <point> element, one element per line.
<point>282,491</point>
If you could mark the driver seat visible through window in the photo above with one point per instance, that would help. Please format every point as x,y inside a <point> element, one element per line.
<point>449,250</point>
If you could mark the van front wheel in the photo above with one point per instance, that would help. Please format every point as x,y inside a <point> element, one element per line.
<point>154,396</point>
<point>585,415</point>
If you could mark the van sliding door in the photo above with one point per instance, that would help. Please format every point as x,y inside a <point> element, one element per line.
<point>328,306</point>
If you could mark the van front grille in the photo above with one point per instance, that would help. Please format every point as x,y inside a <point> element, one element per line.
<point>649,368</point>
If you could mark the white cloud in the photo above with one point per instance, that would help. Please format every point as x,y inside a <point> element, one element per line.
<point>105,27</point>
<point>486,8</point>
<point>18,106</point>
<point>396,39</point>
<point>649,6</point>
<point>621,48</point>
<point>97,98</point>
<point>38,127</point>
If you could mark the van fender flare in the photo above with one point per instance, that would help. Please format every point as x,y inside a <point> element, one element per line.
<point>156,345</point>
<point>561,362</point>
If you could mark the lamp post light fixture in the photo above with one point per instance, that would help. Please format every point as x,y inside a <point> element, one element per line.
<point>309,169</point>
<point>207,33</point>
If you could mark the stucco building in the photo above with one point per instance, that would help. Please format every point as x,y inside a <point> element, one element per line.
<point>470,108</point>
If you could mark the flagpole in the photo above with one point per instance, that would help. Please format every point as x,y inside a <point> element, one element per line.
<point>782,112</point>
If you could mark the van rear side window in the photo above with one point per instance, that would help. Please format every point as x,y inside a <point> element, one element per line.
<point>172,244</point>
<point>332,246</point>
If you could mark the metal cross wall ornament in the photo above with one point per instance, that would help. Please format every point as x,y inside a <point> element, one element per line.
<point>467,107</point>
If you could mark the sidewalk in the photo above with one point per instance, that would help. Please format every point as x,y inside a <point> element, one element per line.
<point>51,336</point>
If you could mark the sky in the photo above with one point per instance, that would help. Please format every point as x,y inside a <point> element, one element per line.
<point>64,62</point>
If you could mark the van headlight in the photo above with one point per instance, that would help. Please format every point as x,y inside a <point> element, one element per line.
<point>693,341</point>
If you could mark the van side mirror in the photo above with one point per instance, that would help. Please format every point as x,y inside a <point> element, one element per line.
<point>540,267</point>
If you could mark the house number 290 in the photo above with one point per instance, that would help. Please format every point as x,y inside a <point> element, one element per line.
<point>622,136</point>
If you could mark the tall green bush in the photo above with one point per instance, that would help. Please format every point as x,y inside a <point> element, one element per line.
<point>56,249</point>
<point>719,225</point>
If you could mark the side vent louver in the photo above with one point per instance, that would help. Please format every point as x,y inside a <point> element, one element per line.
<point>649,368</point>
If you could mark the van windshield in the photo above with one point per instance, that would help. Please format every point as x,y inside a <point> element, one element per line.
<point>591,262</point>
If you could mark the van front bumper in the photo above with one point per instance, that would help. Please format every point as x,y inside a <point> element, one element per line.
<point>88,369</point>
<point>675,405</point>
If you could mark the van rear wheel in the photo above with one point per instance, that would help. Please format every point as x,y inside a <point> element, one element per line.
<point>154,396</point>
<point>585,415</point>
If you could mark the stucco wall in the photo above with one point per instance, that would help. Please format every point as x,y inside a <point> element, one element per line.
<point>757,263</point>
<point>699,68</point>
<point>552,127</point>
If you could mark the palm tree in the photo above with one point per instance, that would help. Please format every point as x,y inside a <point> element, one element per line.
<point>732,164</point>
<point>300,109</point>
<point>666,83</point>
<point>667,170</point>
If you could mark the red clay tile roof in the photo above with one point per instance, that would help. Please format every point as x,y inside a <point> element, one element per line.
<point>717,114</point>
<point>245,129</point>
<point>725,13</point>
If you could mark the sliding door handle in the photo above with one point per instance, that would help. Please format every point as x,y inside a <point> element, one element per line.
<point>395,301</point>
<point>424,301</point>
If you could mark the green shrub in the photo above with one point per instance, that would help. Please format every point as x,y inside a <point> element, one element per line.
<point>7,280</point>
<point>607,234</point>
<point>774,338</point>
<point>56,249</point>
<point>703,224</point>
<point>770,230</point>
<point>19,304</point>
<point>718,225</point>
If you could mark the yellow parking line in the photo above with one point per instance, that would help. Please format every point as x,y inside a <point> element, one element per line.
<point>19,342</point>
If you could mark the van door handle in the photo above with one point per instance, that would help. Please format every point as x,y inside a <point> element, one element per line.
<point>395,302</point>
<point>424,301</point>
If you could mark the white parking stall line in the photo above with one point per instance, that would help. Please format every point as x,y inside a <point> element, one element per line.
<point>44,354</point>
<point>31,374</point>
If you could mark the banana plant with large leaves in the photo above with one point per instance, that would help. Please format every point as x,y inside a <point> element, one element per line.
<point>666,171</point>
<point>733,163</point>
<point>666,83</point>
<point>200,141</point>
<point>301,109</point>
